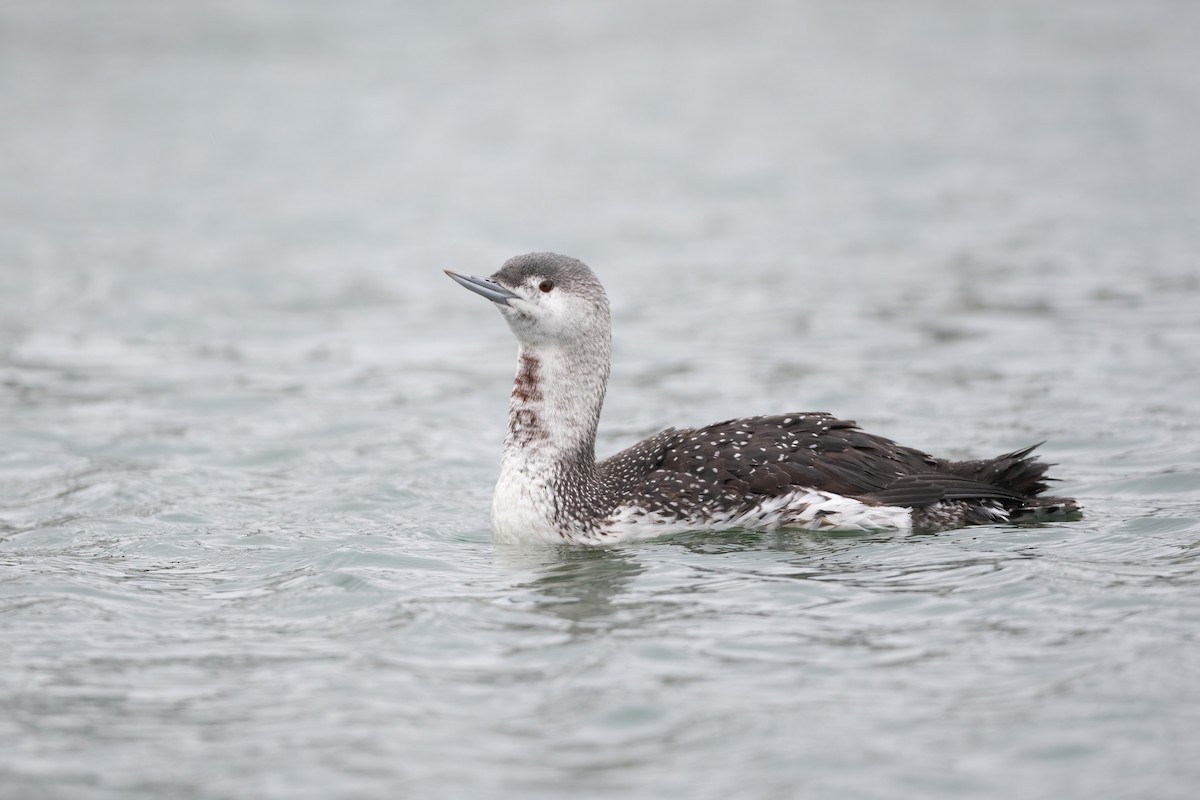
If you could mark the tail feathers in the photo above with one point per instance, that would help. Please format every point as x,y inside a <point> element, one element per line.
<point>1006,488</point>
<point>1025,476</point>
<point>1018,472</point>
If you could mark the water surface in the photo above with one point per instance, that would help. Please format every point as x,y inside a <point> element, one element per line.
<point>248,430</point>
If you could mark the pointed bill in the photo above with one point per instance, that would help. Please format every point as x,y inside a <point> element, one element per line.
<point>484,286</point>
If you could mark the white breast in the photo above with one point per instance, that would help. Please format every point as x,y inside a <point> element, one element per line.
<point>523,505</point>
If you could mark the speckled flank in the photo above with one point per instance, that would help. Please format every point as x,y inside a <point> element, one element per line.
<point>797,470</point>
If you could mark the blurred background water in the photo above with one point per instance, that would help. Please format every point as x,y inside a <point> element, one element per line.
<point>249,431</point>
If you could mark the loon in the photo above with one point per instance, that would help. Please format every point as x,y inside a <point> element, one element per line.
<point>806,470</point>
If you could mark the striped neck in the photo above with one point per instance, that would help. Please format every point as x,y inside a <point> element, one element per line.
<point>548,481</point>
<point>555,405</point>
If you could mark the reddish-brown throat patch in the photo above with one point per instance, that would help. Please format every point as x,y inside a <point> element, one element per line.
<point>524,420</point>
<point>527,388</point>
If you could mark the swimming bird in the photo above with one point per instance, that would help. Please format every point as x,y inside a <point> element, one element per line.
<point>807,470</point>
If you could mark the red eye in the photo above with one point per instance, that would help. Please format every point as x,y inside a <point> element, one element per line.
<point>546,285</point>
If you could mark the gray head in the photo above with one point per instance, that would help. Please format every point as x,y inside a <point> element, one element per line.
<point>547,299</point>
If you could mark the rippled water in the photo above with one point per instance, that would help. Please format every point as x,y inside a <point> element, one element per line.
<point>249,430</point>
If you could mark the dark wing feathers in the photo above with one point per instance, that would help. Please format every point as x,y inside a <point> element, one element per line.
<point>773,455</point>
<point>928,488</point>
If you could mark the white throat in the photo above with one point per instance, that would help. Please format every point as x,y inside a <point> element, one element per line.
<point>552,419</point>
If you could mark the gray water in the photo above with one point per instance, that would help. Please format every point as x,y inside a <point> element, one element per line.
<point>249,430</point>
